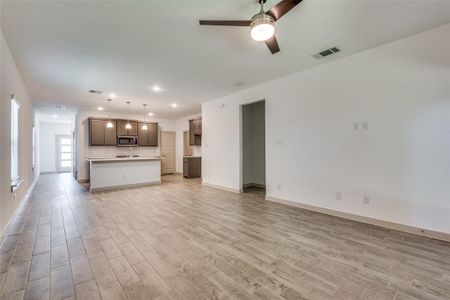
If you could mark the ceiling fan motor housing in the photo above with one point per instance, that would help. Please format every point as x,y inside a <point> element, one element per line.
<point>261,18</point>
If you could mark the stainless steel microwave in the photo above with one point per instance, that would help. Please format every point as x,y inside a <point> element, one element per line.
<point>127,141</point>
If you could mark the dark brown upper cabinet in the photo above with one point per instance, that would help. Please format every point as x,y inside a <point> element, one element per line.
<point>123,131</point>
<point>195,131</point>
<point>100,135</point>
<point>148,137</point>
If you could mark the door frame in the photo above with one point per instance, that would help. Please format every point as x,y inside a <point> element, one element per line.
<point>174,156</point>
<point>60,169</point>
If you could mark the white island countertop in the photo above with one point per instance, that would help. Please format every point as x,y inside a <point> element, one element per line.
<point>129,158</point>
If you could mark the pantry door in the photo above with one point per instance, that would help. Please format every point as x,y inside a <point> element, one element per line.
<point>167,152</point>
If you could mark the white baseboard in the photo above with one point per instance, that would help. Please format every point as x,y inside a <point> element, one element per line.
<point>222,188</point>
<point>382,223</point>
<point>5,230</point>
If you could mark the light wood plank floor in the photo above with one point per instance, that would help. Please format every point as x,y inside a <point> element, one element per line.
<point>181,240</point>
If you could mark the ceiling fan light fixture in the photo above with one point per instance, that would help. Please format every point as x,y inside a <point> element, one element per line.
<point>262,27</point>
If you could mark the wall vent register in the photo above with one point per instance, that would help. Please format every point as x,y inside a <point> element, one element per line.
<point>326,53</point>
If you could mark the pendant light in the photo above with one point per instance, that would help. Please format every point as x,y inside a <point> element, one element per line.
<point>144,126</point>
<point>109,124</point>
<point>128,126</point>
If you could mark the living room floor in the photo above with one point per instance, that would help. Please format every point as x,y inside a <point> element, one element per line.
<point>182,240</point>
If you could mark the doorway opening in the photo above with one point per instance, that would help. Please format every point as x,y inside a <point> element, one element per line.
<point>64,153</point>
<point>253,133</point>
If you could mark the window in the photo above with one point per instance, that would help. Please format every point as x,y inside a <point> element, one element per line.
<point>34,148</point>
<point>64,153</point>
<point>14,139</point>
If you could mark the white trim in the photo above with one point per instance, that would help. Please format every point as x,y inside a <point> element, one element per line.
<point>236,191</point>
<point>382,223</point>
<point>4,232</point>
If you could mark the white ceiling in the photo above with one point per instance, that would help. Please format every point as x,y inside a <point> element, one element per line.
<point>63,49</point>
<point>52,114</point>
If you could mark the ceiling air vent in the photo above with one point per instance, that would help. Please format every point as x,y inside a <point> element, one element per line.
<point>95,92</point>
<point>326,53</point>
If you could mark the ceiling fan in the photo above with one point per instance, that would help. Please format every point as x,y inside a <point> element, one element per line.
<point>261,24</point>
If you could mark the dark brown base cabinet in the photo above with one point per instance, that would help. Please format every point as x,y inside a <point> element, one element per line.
<point>192,167</point>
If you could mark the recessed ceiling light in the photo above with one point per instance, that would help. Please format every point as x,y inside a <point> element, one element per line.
<point>100,108</point>
<point>156,88</point>
<point>54,116</point>
<point>174,105</point>
<point>112,95</point>
<point>151,114</point>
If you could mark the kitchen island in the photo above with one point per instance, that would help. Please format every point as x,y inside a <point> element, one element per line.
<point>121,172</point>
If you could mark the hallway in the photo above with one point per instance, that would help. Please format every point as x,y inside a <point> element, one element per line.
<point>181,240</point>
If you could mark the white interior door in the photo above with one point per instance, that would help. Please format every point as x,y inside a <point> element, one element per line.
<point>167,152</point>
<point>64,153</point>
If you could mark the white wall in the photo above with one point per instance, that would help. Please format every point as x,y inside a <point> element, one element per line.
<point>253,142</point>
<point>402,162</point>
<point>86,151</point>
<point>47,144</point>
<point>182,126</point>
<point>12,84</point>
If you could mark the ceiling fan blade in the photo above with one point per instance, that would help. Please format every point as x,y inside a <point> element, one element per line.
<point>282,8</point>
<point>272,44</point>
<point>225,22</point>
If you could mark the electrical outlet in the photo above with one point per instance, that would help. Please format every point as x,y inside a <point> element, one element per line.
<point>365,125</point>
<point>221,105</point>
<point>355,126</point>
<point>338,196</point>
<point>279,186</point>
<point>280,142</point>
<point>366,200</point>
